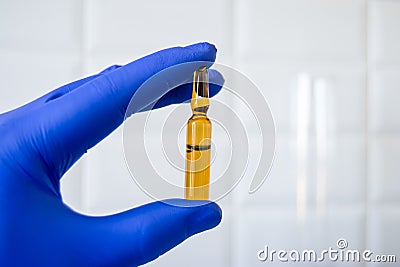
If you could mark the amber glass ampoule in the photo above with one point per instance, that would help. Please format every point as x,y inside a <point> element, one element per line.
<point>198,140</point>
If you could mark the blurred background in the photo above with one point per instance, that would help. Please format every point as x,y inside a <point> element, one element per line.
<point>330,70</point>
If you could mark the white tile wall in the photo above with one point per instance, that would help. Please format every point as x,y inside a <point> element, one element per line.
<point>279,190</point>
<point>337,179</point>
<point>108,186</point>
<point>33,74</point>
<point>344,90</point>
<point>42,25</point>
<point>384,170</point>
<point>384,33</point>
<point>346,170</point>
<point>137,28</point>
<point>347,47</point>
<point>383,231</point>
<point>384,65</point>
<point>308,30</point>
<point>71,187</point>
<point>384,99</point>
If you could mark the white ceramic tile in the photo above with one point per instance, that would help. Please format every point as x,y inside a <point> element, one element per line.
<point>317,176</point>
<point>346,170</point>
<point>281,229</point>
<point>108,185</point>
<point>277,87</point>
<point>71,186</point>
<point>279,189</point>
<point>383,99</point>
<point>307,30</point>
<point>345,100</point>
<point>211,248</point>
<point>384,170</point>
<point>40,25</point>
<point>26,76</point>
<point>334,96</point>
<point>253,111</point>
<point>383,232</point>
<point>384,34</point>
<point>138,27</point>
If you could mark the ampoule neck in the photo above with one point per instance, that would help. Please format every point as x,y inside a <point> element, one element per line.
<point>200,111</point>
<point>200,101</point>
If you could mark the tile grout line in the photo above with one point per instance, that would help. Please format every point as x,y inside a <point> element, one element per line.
<point>367,126</point>
<point>236,206</point>
<point>233,224</point>
<point>85,173</point>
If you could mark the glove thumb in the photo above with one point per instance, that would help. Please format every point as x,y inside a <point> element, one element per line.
<point>144,233</point>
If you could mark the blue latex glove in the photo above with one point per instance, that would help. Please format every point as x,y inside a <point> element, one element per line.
<point>43,139</point>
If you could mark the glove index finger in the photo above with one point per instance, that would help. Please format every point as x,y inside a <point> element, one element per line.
<point>79,120</point>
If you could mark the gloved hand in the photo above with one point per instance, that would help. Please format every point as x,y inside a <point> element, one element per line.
<point>43,139</point>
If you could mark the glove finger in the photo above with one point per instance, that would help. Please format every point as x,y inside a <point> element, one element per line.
<point>68,88</point>
<point>143,234</point>
<point>82,118</point>
<point>72,86</point>
<point>55,94</point>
